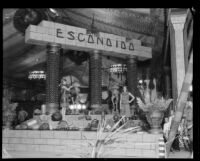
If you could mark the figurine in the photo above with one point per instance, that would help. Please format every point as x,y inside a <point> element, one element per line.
<point>76,96</point>
<point>65,97</point>
<point>115,98</point>
<point>124,102</point>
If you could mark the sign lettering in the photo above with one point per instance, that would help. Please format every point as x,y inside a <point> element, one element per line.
<point>74,37</point>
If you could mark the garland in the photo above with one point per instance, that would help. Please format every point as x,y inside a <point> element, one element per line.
<point>24,17</point>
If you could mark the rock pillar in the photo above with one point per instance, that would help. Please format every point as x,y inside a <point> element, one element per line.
<point>95,79</point>
<point>52,78</point>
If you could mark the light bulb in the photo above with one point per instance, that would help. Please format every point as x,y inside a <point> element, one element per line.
<point>190,88</point>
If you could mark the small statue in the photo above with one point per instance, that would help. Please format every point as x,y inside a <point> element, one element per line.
<point>65,97</point>
<point>115,98</point>
<point>124,102</point>
<point>77,98</point>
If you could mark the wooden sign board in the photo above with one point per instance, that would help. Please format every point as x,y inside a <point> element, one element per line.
<point>76,38</point>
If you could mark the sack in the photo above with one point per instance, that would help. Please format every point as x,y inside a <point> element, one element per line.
<point>57,116</point>
<point>94,123</point>
<point>22,126</point>
<point>22,115</point>
<point>62,125</point>
<point>44,126</point>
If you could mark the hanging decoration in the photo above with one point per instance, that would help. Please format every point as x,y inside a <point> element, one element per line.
<point>118,68</point>
<point>28,16</point>
<point>37,75</point>
<point>93,29</point>
<point>120,71</point>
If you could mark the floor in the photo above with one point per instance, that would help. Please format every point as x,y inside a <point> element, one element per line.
<point>14,154</point>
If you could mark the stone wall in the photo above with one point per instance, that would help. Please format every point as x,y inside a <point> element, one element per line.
<point>76,121</point>
<point>77,143</point>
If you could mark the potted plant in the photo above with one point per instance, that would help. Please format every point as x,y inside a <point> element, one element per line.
<point>154,105</point>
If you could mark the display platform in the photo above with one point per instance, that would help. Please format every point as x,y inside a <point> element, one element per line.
<point>79,143</point>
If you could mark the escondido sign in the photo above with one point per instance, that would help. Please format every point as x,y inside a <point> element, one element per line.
<point>71,37</point>
<point>91,39</point>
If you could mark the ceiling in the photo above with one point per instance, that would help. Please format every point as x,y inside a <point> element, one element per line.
<point>145,24</point>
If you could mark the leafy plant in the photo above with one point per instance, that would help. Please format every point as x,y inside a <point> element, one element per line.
<point>152,101</point>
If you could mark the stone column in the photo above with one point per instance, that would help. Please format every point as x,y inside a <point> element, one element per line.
<point>177,53</point>
<point>95,79</point>
<point>132,75</point>
<point>52,77</point>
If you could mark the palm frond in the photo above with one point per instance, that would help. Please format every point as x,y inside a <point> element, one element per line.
<point>112,136</point>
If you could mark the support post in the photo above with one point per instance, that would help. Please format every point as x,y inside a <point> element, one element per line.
<point>132,75</point>
<point>52,77</point>
<point>95,79</point>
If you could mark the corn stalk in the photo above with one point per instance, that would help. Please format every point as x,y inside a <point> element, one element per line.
<point>180,105</point>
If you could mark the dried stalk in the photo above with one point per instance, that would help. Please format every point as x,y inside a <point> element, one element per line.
<point>110,138</point>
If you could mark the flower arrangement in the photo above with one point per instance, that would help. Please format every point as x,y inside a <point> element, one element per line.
<point>152,100</point>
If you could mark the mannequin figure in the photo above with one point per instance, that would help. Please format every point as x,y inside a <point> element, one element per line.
<point>115,98</point>
<point>125,102</point>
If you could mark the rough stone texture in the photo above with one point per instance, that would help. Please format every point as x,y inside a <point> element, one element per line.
<point>149,138</point>
<point>27,140</point>
<point>40,141</point>
<point>46,147</point>
<point>131,145</point>
<point>33,147</point>
<point>47,134</point>
<point>95,78</point>
<point>19,147</point>
<point>76,135</point>
<point>73,119</point>
<point>14,140</point>
<point>60,134</point>
<point>52,76</point>
<point>60,148</point>
<point>53,141</point>
<point>133,152</point>
<point>89,135</point>
<point>148,153</point>
<point>5,140</point>
<point>33,134</point>
<point>132,75</point>
<point>9,146</point>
